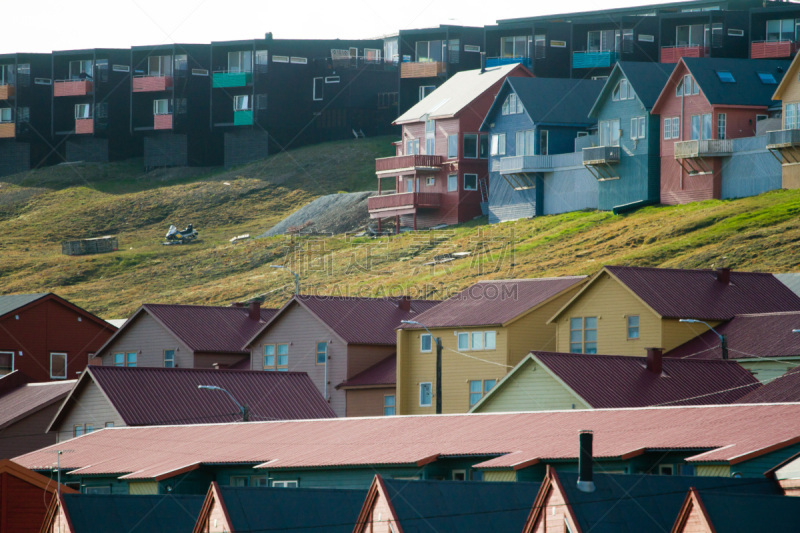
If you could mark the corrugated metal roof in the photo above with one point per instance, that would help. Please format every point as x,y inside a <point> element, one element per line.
<point>749,336</point>
<point>11,302</point>
<point>730,432</point>
<point>29,398</point>
<point>157,396</point>
<point>785,388</point>
<point>679,293</point>
<point>381,373</point>
<point>112,513</point>
<point>494,302</point>
<point>609,381</point>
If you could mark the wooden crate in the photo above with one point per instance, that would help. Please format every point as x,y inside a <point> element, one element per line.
<point>98,245</point>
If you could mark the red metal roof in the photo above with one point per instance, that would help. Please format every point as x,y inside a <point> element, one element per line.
<point>678,293</point>
<point>756,335</point>
<point>730,433</point>
<point>381,373</point>
<point>785,388</point>
<point>609,381</point>
<point>157,396</point>
<point>20,401</point>
<point>494,302</point>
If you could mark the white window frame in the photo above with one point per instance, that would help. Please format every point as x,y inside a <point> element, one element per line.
<point>318,82</point>
<point>461,335</point>
<point>243,60</point>
<point>498,144</point>
<point>452,182</point>
<point>88,111</point>
<point>676,127</point>
<point>638,127</point>
<point>161,102</point>
<point>425,90</point>
<point>242,102</point>
<point>489,335</point>
<point>9,352</point>
<point>452,140</point>
<point>429,386</point>
<point>66,360</point>
<point>465,182</point>
<point>286,483</point>
<point>430,181</point>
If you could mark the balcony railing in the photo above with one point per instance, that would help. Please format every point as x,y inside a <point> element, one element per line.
<point>765,49</point>
<point>500,61</point>
<point>397,163</point>
<point>783,139</point>
<point>72,87</point>
<point>672,54</point>
<point>6,92</point>
<point>703,148</point>
<point>404,200</point>
<point>243,117</point>
<point>600,155</point>
<point>143,84</point>
<point>594,59</point>
<point>162,122</point>
<point>526,163</point>
<point>84,125</point>
<point>223,78</point>
<point>424,69</point>
<point>7,130</point>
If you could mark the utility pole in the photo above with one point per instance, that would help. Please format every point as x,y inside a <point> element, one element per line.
<point>438,375</point>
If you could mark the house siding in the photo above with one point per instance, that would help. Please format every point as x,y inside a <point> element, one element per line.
<point>554,514</point>
<point>379,518</point>
<point>362,356</point>
<point>147,336</point>
<point>28,434</point>
<point>367,402</point>
<point>674,333</point>
<point>23,506</point>
<point>499,475</point>
<point>89,406</point>
<point>532,332</point>
<point>695,522</point>
<point>143,487</point>
<point>751,170</point>
<point>217,523</point>
<point>570,187</point>
<point>713,470</point>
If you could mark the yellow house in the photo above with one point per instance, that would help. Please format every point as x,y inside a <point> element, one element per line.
<point>784,143</point>
<point>624,310</point>
<point>485,331</point>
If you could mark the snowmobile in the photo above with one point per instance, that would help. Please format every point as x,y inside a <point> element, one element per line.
<point>180,237</point>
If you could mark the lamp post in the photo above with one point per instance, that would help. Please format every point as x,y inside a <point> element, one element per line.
<point>723,340</point>
<point>242,408</point>
<point>438,341</point>
<point>296,277</point>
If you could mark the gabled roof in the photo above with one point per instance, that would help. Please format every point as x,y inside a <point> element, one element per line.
<point>454,95</point>
<point>27,398</point>
<point>646,78</point>
<point>145,396</point>
<point>722,434</point>
<point>355,320</point>
<point>202,328</point>
<point>7,466</point>
<point>784,388</point>
<point>698,294</point>
<point>381,374</point>
<point>12,302</point>
<point>788,79</point>
<point>747,512</point>
<point>496,302</point>
<point>748,336</point>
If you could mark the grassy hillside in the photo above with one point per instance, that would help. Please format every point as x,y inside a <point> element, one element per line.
<point>39,209</point>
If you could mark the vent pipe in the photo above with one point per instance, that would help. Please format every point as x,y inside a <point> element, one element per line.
<point>585,458</point>
<point>254,311</point>
<point>483,62</point>
<point>724,275</point>
<point>655,360</point>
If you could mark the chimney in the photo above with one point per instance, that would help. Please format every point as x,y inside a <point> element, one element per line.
<point>654,360</point>
<point>404,303</point>
<point>724,275</point>
<point>483,62</point>
<point>585,470</point>
<point>255,310</point>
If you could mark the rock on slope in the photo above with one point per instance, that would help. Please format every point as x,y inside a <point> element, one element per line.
<point>333,213</point>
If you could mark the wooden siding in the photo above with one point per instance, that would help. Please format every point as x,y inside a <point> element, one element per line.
<point>217,523</point>
<point>142,487</point>
<point>674,333</point>
<point>713,470</point>
<point>28,434</point>
<point>366,402</point>
<point>147,336</point>
<point>60,524</point>
<point>499,475</point>
<point>695,521</point>
<point>379,518</point>
<point>23,506</point>
<point>88,406</point>
<point>532,332</point>
<point>554,514</point>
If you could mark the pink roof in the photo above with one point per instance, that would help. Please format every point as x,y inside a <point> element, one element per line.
<point>381,373</point>
<point>18,402</point>
<point>785,388</point>
<point>678,293</point>
<point>730,433</point>
<point>494,302</point>
<point>749,336</point>
<point>609,381</point>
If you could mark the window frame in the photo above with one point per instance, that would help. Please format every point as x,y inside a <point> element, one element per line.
<point>452,183</point>
<point>430,181</point>
<point>452,146</point>
<point>425,91</point>
<point>676,127</point>
<point>583,337</point>
<point>318,83</point>
<point>486,335</point>
<point>465,182</point>
<point>286,483</point>
<point>248,102</point>
<point>429,386</point>
<point>8,352</point>
<point>630,327</point>
<point>157,104</point>
<point>722,125</point>
<point>66,361</point>
<point>470,137</point>
<point>422,345</point>
<point>497,144</point>
<point>83,116</point>
<point>274,356</point>
<point>389,406</point>
<point>318,352</point>
<point>131,357</point>
<point>278,366</point>
<point>166,360</point>
<point>459,336</point>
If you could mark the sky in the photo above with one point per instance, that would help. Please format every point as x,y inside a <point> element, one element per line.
<point>47,25</point>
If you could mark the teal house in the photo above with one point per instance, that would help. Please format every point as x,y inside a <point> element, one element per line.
<point>625,156</point>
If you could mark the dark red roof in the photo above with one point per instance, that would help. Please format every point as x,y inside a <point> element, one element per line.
<point>21,400</point>
<point>758,335</point>
<point>614,381</point>
<point>357,320</point>
<point>382,373</point>
<point>678,293</point>
<point>494,302</point>
<point>785,388</point>
<point>162,396</point>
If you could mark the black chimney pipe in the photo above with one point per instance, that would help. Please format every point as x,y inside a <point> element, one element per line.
<point>585,458</point>
<point>483,62</point>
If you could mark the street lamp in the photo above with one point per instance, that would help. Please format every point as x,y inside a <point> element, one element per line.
<point>438,364</point>
<point>723,340</point>
<point>296,277</point>
<point>242,408</point>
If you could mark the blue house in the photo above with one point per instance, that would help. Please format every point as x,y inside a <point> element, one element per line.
<point>533,169</point>
<point>626,159</point>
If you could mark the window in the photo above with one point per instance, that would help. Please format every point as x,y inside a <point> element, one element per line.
<point>452,146</point>
<point>425,394</point>
<point>161,107</point>
<point>623,91</point>
<point>58,365</point>
<point>498,144</point>
<point>687,85</point>
<point>633,327</point>
<point>109,424</point>
<point>483,148</point>
<point>459,475</point>
<point>322,353</point>
<point>83,111</point>
<point>6,363</point>
<point>679,89</point>
<point>489,340</point>
<point>89,428</point>
<point>80,69</point>
<point>478,389</point>
<point>706,134</point>
<point>5,114</point>
<point>789,116</point>
<point>130,359</point>
<point>609,132</point>
<point>477,340</point>
<point>452,182</point>
<point>425,90</point>
<point>722,119</point>
<point>695,123</point>
<point>159,66</point>
<point>430,181</point>
<point>454,50</point>
<point>269,357</point>
<point>463,341</point>
<point>512,105</point>
<point>6,74</point>
<point>603,41</point>
<point>515,46</point>
<point>288,484</point>
<point>283,357</point>
<point>409,183</point>
<point>666,470</point>
<point>725,76</point>
<point>240,481</point>
<point>318,89</point>
<point>430,137</point>
<point>638,128</point>
<point>525,142</point>
<point>471,145</point>
<point>667,128</point>
<point>119,359</point>
<point>101,489</point>
<point>77,430</point>
<point>691,35</point>
<point>23,114</point>
<point>242,102</point>
<point>412,147</point>
<point>372,55</point>
<point>241,61</point>
<point>429,51</point>
<point>781,30</point>
<point>388,405</point>
<point>767,78</point>
<point>470,182</point>
<point>425,342</point>
<point>676,127</point>
<point>543,142</point>
<point>169,358</point>
<point>583,335</point>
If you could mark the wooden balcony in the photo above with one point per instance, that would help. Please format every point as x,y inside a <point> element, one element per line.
<point>162,122</point>
<point>671,54</point>
<point>600,155</point>
<point>408,163</point>
<point>764,49</point>
<point>703,148</point>
<point>526,163</point>
<point>84,125</point>
<point>785,146</point>
<point>425,69</point>
<point>402,202</point>
<point>72,88</point>
<point>6,92</point>
<point>7,130</point>
<point>143,84</point>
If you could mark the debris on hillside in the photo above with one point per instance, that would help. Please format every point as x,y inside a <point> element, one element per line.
<point>330,214</point>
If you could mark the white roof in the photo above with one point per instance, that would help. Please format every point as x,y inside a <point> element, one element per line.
<point>455,94</point>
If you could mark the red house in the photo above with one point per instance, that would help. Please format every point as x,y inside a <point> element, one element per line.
<point>25,497</point>
<point>705,104</point>
<point>47,337</point>
<point>440,172</point>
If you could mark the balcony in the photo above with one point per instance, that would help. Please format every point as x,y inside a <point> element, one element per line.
<point>703,148</point>
<point>425,69</point>
<point>764,49</point>
<point>162,122</point>
<point>143,84</point>
<point>526,163</point>
<point>243,117</point>
<point>72,88</point>
<point>84,126</point>
<point>672,54</point>
<point>594,59</point>
<point>7,130</point>
<point>401,203</point>
<point>500,61</point>
<point>224,78</point>
<point>601,155</point>
<point>783,139</point>
<point>408,163</point>
<point>6,92</point>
